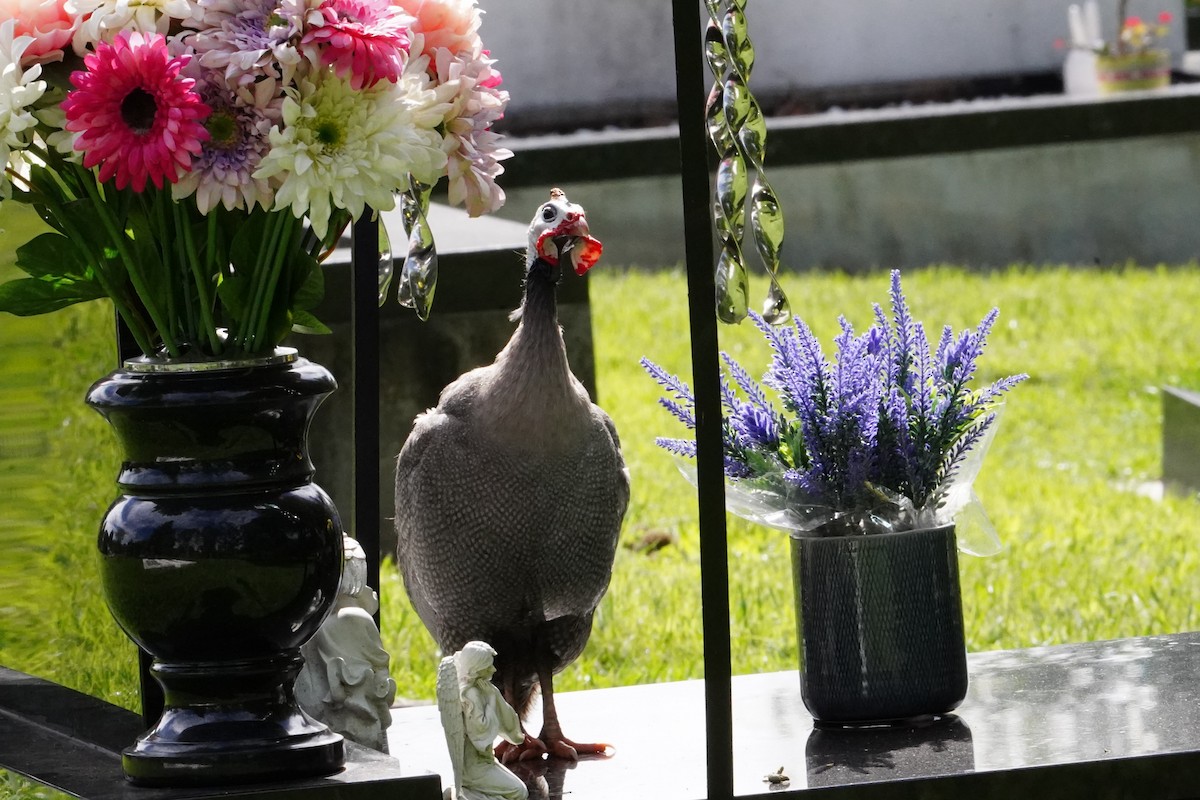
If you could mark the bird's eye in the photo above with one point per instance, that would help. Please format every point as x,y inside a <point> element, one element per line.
<point>548,213</point>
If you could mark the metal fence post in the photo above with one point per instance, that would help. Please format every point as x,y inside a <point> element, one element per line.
<point>364,343</point>
<point>714,555</point>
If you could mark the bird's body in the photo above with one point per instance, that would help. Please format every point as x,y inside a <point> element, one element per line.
<point>509,501</point>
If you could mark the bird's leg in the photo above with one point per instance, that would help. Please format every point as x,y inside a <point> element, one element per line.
<point>557,745</point>
<point>529,750</point>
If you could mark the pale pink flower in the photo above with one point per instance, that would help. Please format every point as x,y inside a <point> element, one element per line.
<point>365,40</point>
<point>451,25</point>
<point>46,21</point>
<point>137,117</point>
<point>472,147</point>
<point>250,40</point>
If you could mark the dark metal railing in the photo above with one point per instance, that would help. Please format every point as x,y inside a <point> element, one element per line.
<point>364,265</point>
<point>714,553</point>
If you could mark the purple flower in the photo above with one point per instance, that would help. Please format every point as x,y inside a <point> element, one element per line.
<point>887,417</point>
<point>757,426</point>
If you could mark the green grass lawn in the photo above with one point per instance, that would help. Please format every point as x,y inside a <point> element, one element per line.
<point>1086,556</point>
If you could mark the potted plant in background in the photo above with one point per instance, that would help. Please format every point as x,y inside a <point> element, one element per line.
<point>1135,60</point>
<point>193,160</point>
<point>868,463</point>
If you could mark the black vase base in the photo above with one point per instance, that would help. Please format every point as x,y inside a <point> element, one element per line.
<point>149,763</point>
<point>231,722</point>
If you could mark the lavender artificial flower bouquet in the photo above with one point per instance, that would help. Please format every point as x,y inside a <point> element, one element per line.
<point>887,437</point>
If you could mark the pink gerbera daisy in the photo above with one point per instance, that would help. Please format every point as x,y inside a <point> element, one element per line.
<point>137,117</point>
<point>366,41</point>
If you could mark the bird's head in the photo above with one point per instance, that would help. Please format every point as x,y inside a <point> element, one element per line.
<point>559,230</point>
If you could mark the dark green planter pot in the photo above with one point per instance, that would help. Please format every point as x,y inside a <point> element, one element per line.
<point>220,558</point>
<point>880,625</point>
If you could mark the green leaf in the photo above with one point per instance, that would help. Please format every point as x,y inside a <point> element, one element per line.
<point>51,256</point>
<point>305,322</point>
<point>309,281</point>
<point>28,297</point>
<point>279,320</point>
<point>234,290</point>
<point>250,237</point>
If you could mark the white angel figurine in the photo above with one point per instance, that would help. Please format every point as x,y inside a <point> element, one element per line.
<point>345,682</point>
<point>473,715</point>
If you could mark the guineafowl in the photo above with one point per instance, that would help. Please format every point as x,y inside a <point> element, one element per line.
<point>510,496</point>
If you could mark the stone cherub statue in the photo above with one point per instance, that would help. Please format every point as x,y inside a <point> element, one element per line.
<point>345,681</point>
<point>473,715</point>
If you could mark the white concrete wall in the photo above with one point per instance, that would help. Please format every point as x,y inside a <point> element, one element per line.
<point>619,53</point>
<point>1101,202</point>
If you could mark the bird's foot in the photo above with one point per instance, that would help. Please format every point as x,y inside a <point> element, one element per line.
<point>536,749</point>
<point>561,747</point>
<point>529,750</point>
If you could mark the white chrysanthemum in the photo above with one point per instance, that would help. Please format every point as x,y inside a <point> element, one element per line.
<point>342,148</point>
<point>54,119</point>
<point>19,90</point>
<point>104,19</point>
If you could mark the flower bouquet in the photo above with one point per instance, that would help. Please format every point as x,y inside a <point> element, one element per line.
<point>868,465</point>
<point>195,159</point>
<point>887,437</point>
<point>1135,59</point>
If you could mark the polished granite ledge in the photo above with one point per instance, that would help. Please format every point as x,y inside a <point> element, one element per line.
<point>72,742</point>
<point>1116,719</point>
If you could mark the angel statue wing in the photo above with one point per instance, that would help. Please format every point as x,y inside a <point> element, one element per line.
<point>450,706</point>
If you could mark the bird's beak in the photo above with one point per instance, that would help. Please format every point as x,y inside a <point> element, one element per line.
<point>571,240</point>
<point>583,252</point>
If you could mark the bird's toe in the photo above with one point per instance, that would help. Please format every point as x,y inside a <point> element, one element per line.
<point>529,750</point>
<point>564,748</point>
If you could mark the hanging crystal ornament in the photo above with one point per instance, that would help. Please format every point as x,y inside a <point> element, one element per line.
<point>738,131</point>
<point>729,204</point>
<point>418,278</point>
<point>386,266</point>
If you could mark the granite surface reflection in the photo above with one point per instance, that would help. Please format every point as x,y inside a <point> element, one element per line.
<point>1119,716</point>
<point>836,756</point>
<point>1096,701</point>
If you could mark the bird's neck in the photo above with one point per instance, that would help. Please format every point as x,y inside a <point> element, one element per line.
<point>539,309</point>
<point>533,375</point>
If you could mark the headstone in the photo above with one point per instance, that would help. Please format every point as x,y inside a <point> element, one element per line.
<point>1181,439</point>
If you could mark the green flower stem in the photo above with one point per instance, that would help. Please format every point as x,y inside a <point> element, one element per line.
<point>259,310</point>
<point>17,178</point>
<point>181,227</point>
<point>56,167</point>
<point>163,237</point>
<point>188,246</point>
<point>250,322</point>
<point>116,293</point>
<point>290,235</point>
<point>133,269</point>
<point>127,311</point>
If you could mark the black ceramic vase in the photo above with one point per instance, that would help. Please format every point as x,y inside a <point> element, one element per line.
<point>220,558</point>
<point>880,625</point>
